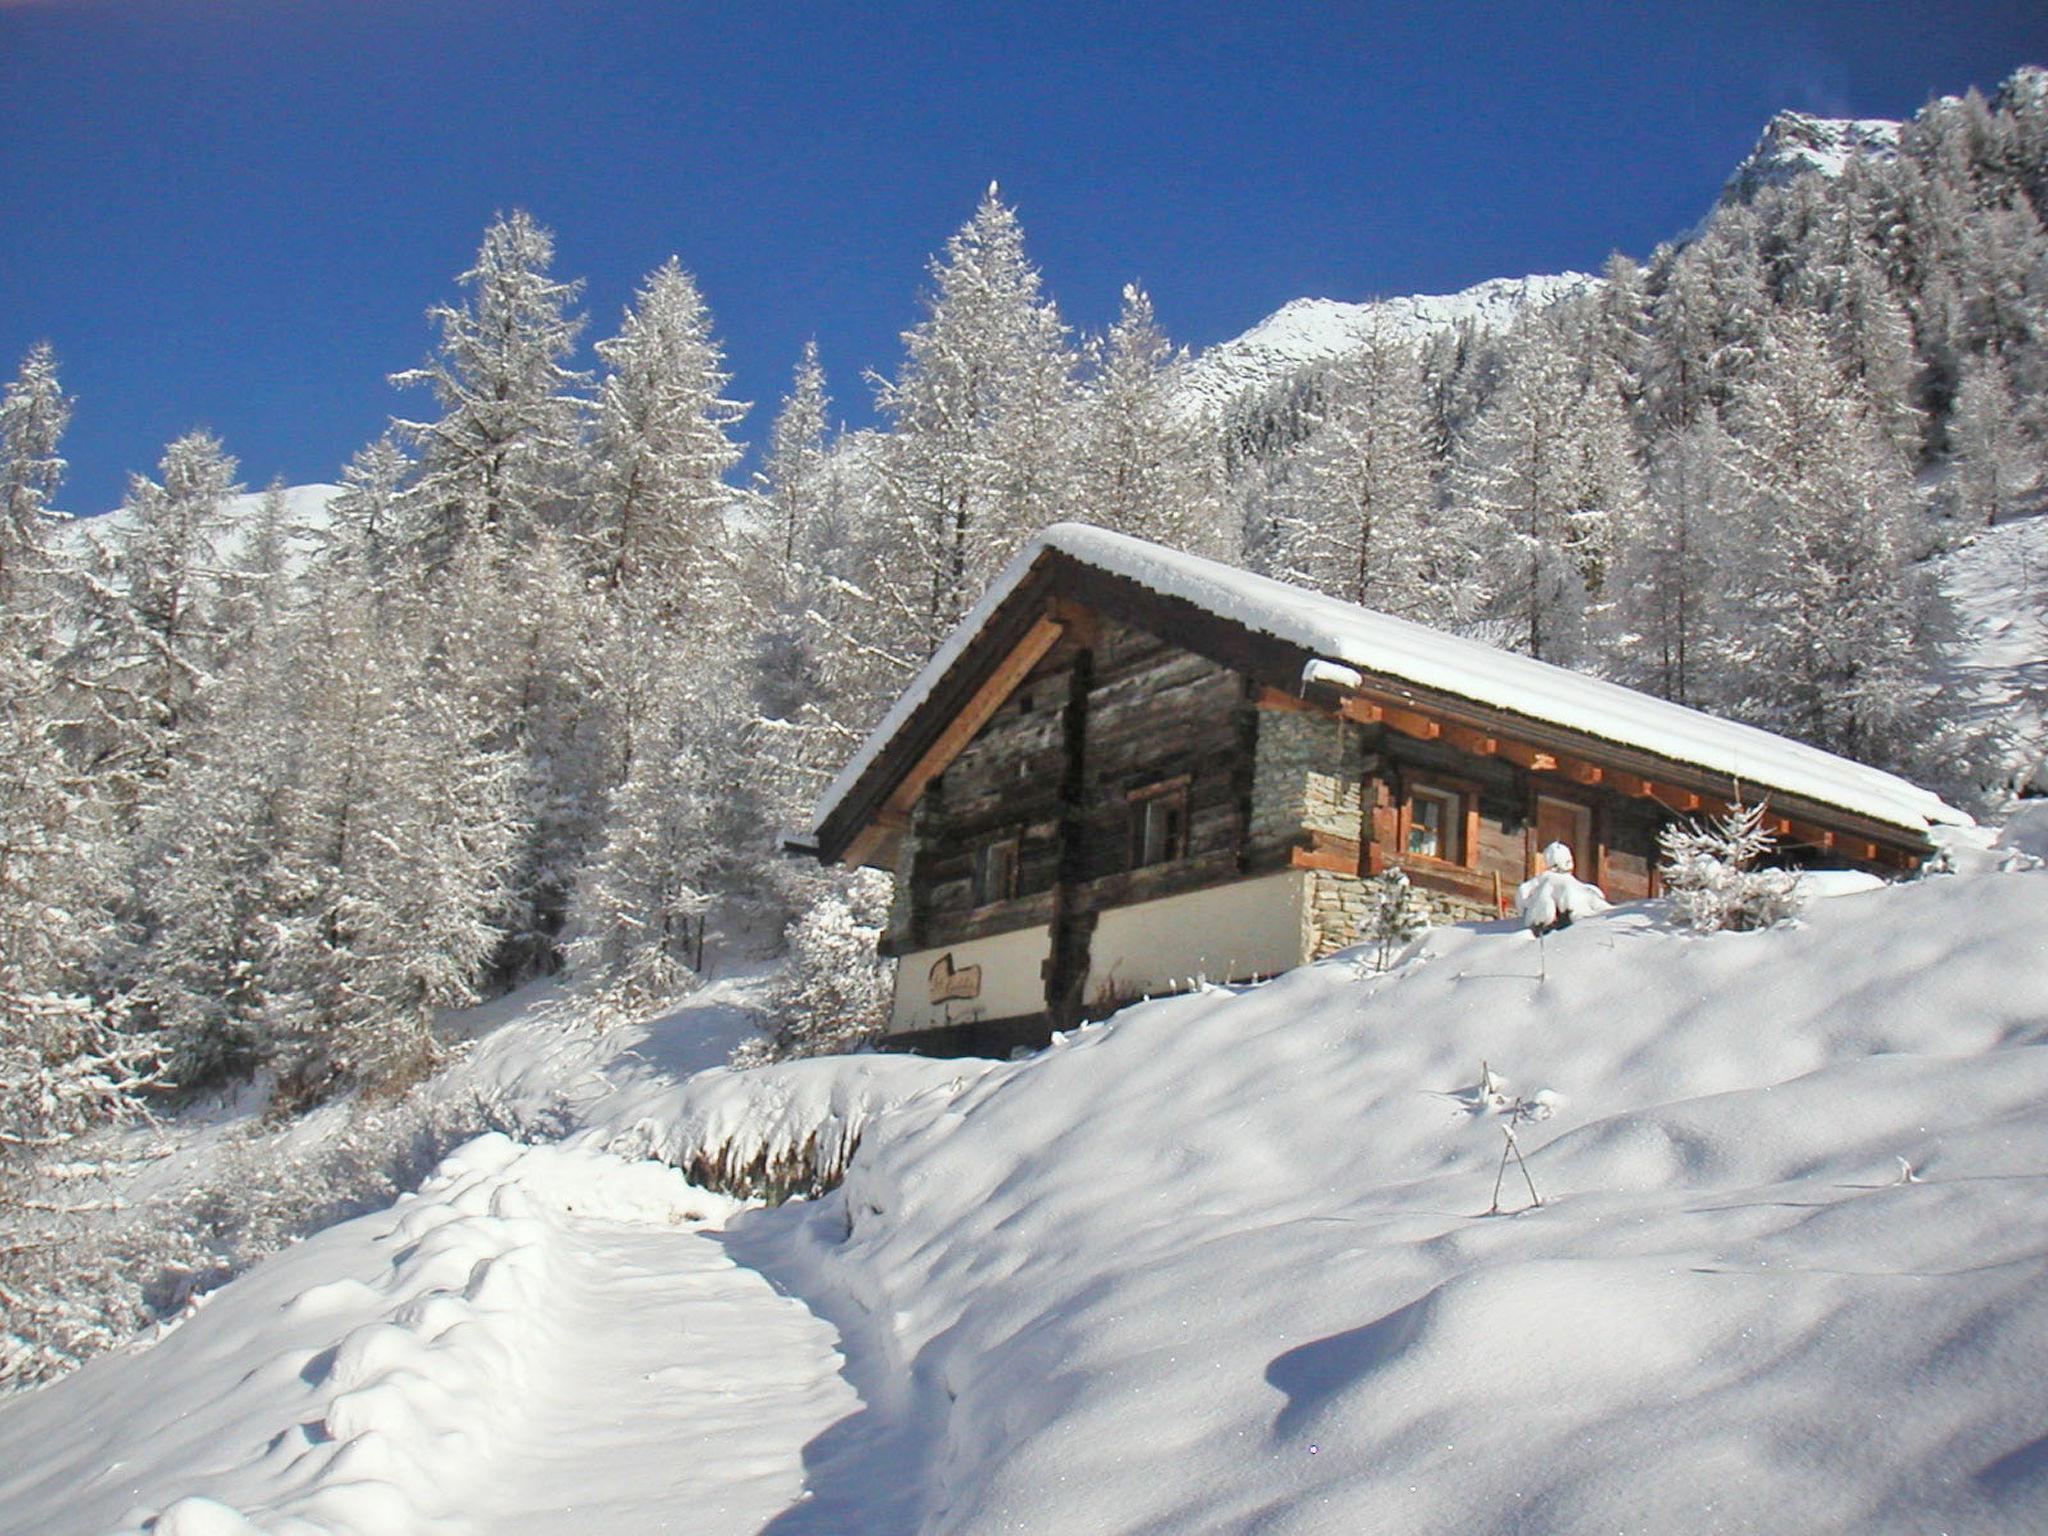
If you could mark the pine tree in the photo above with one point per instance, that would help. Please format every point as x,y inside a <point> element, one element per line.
<point>1394,914</point>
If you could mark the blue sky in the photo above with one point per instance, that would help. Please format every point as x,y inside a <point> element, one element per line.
<point>234,214</point>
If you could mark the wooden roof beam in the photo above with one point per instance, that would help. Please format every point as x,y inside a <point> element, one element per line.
<point>1522,755</point>
<point>1410,722</point>
<point>1465,739</point>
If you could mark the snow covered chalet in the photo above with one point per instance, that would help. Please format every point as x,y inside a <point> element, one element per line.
<point>1129,768</point>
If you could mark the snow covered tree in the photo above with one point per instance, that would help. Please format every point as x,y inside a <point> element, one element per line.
<point>1668,634</point>
<point>1142,462</point>
<point>1394,914</point>
<point>34,411</point>
<point>361,541</point>
<point>404,827</point>
<point>834,990</point>
<point>636,930</point>
<point>503,458</point>
<point>1838,606</point>
<point>1996,469</point>
<point>1354,519</point>
<point>1541,473</point>
<point>150,635</point>
<point>981,409</point>
<point>1712,877</point>
<point>662,445</point>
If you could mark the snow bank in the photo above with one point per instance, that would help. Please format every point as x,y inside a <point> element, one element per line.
<point>772,1132</point>
<point>1224,1263</point>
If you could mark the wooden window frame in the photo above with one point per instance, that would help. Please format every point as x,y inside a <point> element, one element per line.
<point>1463,823</point>
<point>1009,845</point>
<point>1143,801</point>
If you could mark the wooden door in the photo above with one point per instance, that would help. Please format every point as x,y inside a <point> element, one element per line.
<point>1567,822</point>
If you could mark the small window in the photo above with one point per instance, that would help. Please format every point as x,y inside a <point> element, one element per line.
<point>1159,824</point>
<point>1434,825</point>
<point>996,880</point>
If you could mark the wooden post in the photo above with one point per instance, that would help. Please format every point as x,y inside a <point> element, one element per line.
<point>1073,925</point>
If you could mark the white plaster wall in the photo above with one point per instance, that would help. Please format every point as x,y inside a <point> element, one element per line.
<point>1012,981</point>
<point>1226,933</point>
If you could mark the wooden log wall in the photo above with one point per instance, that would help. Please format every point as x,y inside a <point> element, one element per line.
<point>1154,714</point>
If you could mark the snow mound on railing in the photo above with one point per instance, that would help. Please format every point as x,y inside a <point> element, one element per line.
<point>769,1133</point>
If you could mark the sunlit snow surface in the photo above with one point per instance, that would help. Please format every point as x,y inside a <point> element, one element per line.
<point>1222,1264</point>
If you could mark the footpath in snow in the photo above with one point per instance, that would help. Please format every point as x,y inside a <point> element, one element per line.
<point>542,1342</point>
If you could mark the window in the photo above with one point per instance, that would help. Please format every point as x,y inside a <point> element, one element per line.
<point>1159,823</point>
<point>996,878</point>
<point>1435,825</point>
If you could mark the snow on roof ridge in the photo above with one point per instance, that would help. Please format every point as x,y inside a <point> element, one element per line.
<point>1443,663</point>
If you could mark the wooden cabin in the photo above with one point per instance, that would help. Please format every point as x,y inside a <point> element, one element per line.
<point>1130,770</point>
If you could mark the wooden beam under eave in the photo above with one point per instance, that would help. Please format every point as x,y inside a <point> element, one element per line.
<point>1674,797</point>
<point>1362,711</point>
<point>1465,739</point>
<point>867,847</point>
<point>1523,755</point>
<point>1080,622</point>
<point>975,713</point>
<point>1580,771</point>
<point>1410,722</point>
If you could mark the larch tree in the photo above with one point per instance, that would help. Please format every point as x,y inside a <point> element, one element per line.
<point>1841,611</point>
<point>982,413</point>
<point>1142,460</point>
<point>34,412</point>
<point>502,459</point>
<point>1540,520</point>
<point>1355,518</point>
<point>663,446</point>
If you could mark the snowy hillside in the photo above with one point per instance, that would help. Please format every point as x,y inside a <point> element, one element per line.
<point>1309,331</point>
<point>1794,143</point>
<point>1224,1263</point>
<point>305,512</point>
<point>1998,582</point>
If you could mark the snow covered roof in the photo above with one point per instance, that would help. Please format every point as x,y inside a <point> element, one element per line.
<point>1397,650</point>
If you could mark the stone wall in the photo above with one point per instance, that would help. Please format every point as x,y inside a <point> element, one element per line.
<point>1336,905</point>
<point>1308,775</point>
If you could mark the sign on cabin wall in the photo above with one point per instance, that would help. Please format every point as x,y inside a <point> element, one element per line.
<point>950,985</point>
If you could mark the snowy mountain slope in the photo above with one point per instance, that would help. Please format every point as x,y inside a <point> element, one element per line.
<point>1221,1264</point>
<point>1309,331</point>
<point>1796,143</point>
<point>305,509</point>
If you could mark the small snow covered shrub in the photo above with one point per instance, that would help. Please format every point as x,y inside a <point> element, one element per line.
<point>1394,914</point>
<point>833,995</point>
<point>1712,877</point>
